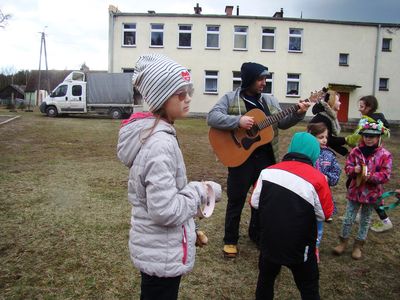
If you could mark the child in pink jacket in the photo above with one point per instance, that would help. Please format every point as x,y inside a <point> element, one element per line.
<point>369,166</point>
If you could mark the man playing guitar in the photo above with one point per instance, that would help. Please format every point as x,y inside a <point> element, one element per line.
<point>228,114</point>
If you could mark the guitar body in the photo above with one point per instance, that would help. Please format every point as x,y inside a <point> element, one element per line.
<point>233,147</point>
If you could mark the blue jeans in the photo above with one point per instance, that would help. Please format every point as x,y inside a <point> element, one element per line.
<point>350,216</point>
<point>320,232</point>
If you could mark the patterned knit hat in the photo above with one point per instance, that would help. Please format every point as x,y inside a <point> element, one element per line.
<point>157,78</point>
<point>372,128</point>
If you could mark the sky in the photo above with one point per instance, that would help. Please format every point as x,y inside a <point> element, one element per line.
<point>76,31</point>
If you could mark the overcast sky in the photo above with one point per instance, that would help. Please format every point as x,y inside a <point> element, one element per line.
<point>77,30</point>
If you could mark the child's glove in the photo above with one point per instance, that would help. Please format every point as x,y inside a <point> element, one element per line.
<point>201,239</point>
<point>216,187</point>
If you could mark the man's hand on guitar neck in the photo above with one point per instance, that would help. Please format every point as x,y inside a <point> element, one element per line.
<point>246,122</point>
<point>304,105</point>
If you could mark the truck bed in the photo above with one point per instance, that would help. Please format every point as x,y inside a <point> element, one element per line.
<point>109,88</point>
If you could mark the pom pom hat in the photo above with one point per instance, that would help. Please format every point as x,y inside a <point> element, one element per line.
<point>157,78</point>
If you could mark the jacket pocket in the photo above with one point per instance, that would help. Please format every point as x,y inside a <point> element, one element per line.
<point>184,245</point>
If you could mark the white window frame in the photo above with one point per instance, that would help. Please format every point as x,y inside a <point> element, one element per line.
<point>210,77</point>
<point>212,32</point>
<point>269,79</point>
<point>293,80</point>
<point>385,86</point>
<point>184,31</point>
<point>156,30</point>
<point>239,34</point>
<point>267,35</point>
<point>343,62</point>
<point>296,36</point>
<point>389,48</point>
<point>236,79</point>
<point>127,30</point>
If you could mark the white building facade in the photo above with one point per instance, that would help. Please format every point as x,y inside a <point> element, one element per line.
<point>302,55</point>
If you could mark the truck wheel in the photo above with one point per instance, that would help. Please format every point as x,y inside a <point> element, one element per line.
<point>51,111</point>
<point>116,113</point>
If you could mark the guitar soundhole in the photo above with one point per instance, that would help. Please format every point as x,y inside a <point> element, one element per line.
<point>253,131</point>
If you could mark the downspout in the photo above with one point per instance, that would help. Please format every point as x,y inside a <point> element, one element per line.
<point>111,41</point>
<point>378,39</point>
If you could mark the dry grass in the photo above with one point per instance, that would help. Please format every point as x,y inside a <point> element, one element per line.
<point>64,221</point>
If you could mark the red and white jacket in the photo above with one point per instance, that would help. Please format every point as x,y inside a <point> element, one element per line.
<point>291,196</point>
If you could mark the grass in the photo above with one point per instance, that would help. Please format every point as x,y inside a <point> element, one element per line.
<point>64,221</point>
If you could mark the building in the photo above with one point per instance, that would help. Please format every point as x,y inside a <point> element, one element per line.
<point>12,93</point>
<point>303,55</point>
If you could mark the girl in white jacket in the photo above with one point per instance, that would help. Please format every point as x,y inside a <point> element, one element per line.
<point>162,235</point>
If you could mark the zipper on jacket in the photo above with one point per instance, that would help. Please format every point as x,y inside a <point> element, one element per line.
<point>184,245</point>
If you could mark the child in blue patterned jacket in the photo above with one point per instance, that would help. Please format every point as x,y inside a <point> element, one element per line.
<point>328,165</point>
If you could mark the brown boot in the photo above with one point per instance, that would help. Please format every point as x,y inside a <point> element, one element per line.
<point>357,247</point>
<point>339,249</point>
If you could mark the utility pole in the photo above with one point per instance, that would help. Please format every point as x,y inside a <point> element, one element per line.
<point>42,46</point>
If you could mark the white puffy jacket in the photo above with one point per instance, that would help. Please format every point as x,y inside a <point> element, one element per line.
<point>162,235</point>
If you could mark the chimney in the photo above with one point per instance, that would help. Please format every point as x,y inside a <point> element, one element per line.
<point>237,10</point>
<point>197,9</point>
<point>228,10</point>
<point>278,14</point>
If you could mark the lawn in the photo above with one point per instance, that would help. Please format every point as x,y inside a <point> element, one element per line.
<point>64,221</point>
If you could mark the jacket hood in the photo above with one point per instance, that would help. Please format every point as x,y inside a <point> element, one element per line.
<point>306,144</point>
<point>133,136</point>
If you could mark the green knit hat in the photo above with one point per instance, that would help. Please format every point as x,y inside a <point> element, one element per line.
<point>306,144</point>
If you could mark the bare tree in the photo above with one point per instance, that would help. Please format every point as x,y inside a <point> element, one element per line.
<point>3,19</point>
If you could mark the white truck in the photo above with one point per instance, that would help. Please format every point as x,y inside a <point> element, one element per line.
<point>93,92</point>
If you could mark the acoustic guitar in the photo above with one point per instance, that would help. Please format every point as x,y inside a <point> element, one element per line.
<point>233,147</point>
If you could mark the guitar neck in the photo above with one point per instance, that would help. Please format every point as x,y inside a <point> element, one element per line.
<point>272,119</point>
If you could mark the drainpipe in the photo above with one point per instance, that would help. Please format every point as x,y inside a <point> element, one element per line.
<point>375,81</point>
<point>111,22</point>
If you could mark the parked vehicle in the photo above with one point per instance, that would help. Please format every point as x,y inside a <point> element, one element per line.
<point>93,92</point>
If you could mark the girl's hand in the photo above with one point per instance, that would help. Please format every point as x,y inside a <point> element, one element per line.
<point>357,169</point>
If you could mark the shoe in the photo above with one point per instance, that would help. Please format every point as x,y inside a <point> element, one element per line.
<point>317,254</point>
<point>382,226</point>
<point>201,239</point>
<point>329,220</point>
<point>230,251</point>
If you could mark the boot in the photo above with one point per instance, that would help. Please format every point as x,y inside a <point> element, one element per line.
<point>357,247</point>
<point>339,249</point>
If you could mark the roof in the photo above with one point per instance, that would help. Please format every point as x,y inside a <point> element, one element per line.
<point>173,15</point>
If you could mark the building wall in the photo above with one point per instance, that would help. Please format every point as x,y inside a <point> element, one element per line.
<point>318,63</point>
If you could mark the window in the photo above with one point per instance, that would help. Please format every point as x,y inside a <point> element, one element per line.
<point>383,84</point>
<point>343,59</point>
<point>268,84</point>
<point>295,36</point>
<point>240,38</point>
<point>293,84</point>
<point>211,82</point>
<point>60,91</point>
<point>387,45</point>
<point>157,35</point>
<point>77,90</point>
<point>129,35</point>
<point>268,39</point>
<point>236,80</point>
<point>185,36</point>
<point>212,37</point>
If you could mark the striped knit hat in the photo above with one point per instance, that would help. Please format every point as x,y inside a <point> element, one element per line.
<point>157,78</point>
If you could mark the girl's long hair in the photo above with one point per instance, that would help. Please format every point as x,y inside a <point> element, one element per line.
<point>316,128</point>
